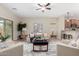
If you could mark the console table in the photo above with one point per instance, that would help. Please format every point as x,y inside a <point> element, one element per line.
<point>40,43</point>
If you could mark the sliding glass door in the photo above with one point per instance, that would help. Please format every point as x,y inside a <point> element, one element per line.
<point>2,30</point>
<point>6,27</point>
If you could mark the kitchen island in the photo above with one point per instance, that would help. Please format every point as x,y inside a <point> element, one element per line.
<point>11,48</point>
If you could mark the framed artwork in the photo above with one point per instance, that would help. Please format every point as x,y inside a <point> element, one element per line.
<point>38,28</point>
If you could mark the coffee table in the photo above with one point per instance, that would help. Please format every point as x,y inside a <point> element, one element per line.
<point>40,43</point>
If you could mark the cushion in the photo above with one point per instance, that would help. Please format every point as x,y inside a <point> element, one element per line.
<point>31,35</point>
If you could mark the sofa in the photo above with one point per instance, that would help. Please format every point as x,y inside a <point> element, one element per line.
<point>32,36</point>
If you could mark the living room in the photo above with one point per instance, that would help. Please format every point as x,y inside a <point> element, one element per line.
<point>43,29</point>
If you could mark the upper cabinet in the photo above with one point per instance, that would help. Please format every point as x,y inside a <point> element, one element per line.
<point>72,24</point>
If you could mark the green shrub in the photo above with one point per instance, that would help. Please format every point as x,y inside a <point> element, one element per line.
<point>4,38</point>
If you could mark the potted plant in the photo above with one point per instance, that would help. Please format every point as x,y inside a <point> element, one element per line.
<point>21,26</point>
<point>4,38</point>
<point>38,37</point>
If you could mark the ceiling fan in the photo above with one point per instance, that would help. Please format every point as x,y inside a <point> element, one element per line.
<point>43,7</point>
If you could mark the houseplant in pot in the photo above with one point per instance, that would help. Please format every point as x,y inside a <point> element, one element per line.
<point>4,38</point>
<point>20,28</point>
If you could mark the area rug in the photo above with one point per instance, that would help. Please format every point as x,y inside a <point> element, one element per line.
<point>28,50</point>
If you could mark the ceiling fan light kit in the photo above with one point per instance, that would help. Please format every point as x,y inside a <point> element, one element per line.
<point>43,7</point>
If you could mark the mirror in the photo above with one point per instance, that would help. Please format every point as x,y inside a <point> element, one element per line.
<point>6,27</point>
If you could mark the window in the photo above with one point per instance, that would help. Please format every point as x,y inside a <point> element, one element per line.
<point>6,27</point>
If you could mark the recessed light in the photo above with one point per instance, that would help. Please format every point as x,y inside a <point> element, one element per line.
<point>14,8</point>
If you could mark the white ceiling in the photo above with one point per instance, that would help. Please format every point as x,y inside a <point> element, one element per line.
<point>29,9</point>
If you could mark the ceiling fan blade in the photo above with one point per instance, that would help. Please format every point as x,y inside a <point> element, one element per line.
<point>48,8</point>
<point>47,4</point>
<point>40,5</point>
<point>38,9</point>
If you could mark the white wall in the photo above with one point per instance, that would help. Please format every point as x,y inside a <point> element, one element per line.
<point>57,24</point>
<point>7,14</point>
<point>49,24</point>
<point>60,25</point>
